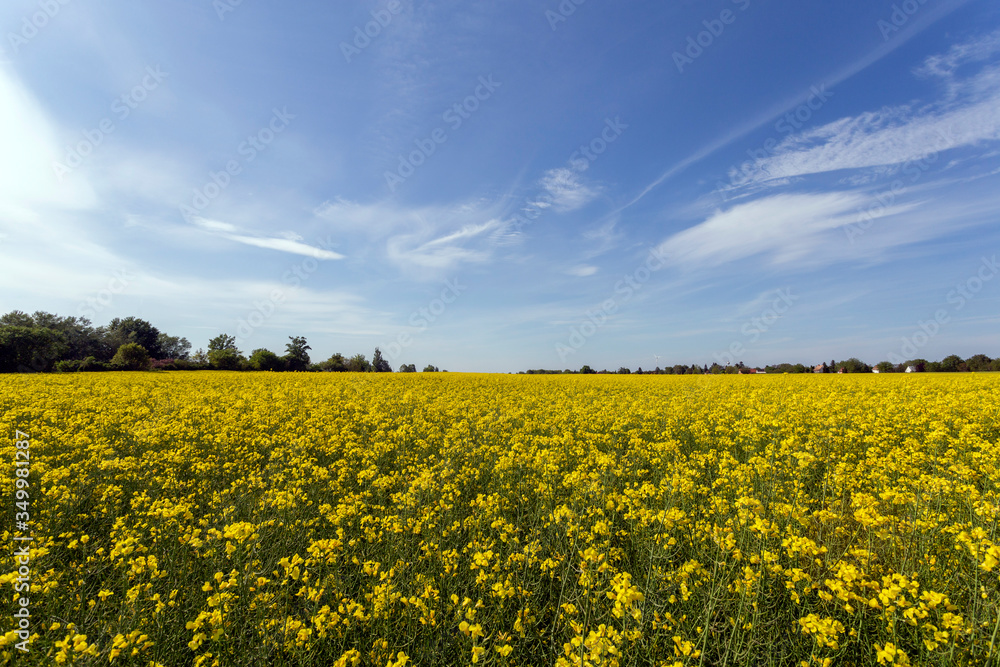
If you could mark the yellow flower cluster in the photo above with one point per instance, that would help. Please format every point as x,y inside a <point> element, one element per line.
<point>444,519</point>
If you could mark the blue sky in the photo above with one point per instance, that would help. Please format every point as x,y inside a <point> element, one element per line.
<point>499,186</point>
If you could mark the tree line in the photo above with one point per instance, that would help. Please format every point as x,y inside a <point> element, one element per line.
<point>978,363</point>
<point>44,343</point>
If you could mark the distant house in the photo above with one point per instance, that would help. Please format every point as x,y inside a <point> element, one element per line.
<point>911,369</point>
<point>841,370</point>
<point>818,368</point>
<point>875,370</point>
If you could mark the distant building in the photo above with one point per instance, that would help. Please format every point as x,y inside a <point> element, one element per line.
<point>875,370</point>
<point>911,369</point>
<point>818,368</point>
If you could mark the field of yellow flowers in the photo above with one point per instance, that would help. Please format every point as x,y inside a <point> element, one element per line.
<point>445,519</point>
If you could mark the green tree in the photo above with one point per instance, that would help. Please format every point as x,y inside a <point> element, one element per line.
<point>134,330</point>
<point>225,360</point>
<point>265,360</point>
<point>297,356</point>
<point>358,364</point>
<point>223,354</point>
<point>978,363</point>
<point>854,365</point>
<point>92,365</point>
<point>131,357</point>
<point>952,364</point>
<point>223,342</point>
<point>335,364</point>
<point>379,364</point>
<point>30,349</point>
<point>408,368</point>
<point>431,369</point>
<point>173,347</point>
<point>17,318</point>
<point>67,366</point>
<point>885,367</point>
<point>81,338</point>
<point>787,368</point>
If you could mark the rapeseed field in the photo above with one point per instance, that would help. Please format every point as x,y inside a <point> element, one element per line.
<point>442,519</point>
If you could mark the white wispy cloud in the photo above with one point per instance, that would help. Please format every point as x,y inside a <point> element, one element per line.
<point>565,191</point>
<point>968,115</point>
<point>972,50</point>
<point>582,271</point>
<point>466,232</point>
<point>441,253</point>
<point>784,227</point>
<point>421,240</point>
<point>216,226</point>
<point>811,230</point>
<point>284,244</point>
<point>877,139</point>
<point>924,20</point>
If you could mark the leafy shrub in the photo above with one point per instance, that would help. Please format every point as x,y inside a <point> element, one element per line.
<point>225,360</point>
<point>131,357</point>
<point>265,360</point>
<point>92,365</point>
